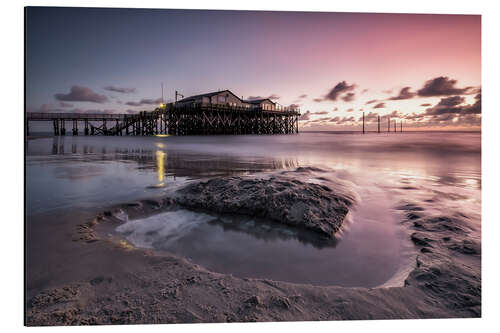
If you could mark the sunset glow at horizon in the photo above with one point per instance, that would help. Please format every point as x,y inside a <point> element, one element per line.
<point>419,68</point>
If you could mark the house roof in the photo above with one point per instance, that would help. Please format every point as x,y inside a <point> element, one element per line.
<point>258,101</point>
<point>194,97</point>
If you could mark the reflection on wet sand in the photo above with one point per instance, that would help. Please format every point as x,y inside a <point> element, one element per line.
<point>174,163</point>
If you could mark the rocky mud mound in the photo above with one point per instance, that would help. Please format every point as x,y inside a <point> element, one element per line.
<point>282,199</point>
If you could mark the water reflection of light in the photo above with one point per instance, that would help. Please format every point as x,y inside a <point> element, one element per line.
<point>160,160</point>
<point>162,135</point>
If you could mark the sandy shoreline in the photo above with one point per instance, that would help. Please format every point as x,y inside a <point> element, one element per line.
<point>108,281</point>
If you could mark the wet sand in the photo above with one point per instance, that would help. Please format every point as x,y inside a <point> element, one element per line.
<point>105,280</point>
<point>79,271</point>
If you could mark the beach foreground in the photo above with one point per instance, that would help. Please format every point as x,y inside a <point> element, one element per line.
<point>82,270</point>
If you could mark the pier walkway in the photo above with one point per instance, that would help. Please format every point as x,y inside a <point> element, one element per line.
<point>195,119</point>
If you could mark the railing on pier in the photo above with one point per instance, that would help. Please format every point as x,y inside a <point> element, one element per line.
<point>234,108</point>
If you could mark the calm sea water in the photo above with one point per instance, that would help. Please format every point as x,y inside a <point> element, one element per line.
<point>385,170</point>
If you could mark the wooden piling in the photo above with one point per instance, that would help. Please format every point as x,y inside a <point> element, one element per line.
<point>378,123</point>
<point>363,122</point>
<point>63,127</point>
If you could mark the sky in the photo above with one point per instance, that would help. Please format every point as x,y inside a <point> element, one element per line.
<point>421,69</point>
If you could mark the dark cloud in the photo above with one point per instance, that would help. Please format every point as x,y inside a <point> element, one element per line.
<point>145,101</point>
<point>251,98</point>
<point>342,121</point>
<point>339,89</point>
<point>302,96</point>
<point>120,90</point>
<point>335,109</point>
<point>454,105</point>
<point>51,108</point>
<point>271,97</point>
<point>426,104</point>
<point>81,94</point>
<point>47,108</point>
<point>443,86</point>
<point>379,105</point>
<point>320,120</point>
<point>452,101</point>
<point>371,101</point>
<point>349,97</point>
<point>404,93</point>
<point>350,110</point>
<point>320,113</point>
<point>370,117</point>
<point>305,116</point>
<point>65,105</point>
<point>318,100</point>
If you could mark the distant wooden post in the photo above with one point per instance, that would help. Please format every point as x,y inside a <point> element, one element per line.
<point>63,127</point>
<point>401,129</point>
<point>394,125</point>
<point>363,122</point>
<point>388,124</point>
<point>379,123</point>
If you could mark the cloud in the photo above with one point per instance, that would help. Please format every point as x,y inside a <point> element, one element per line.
<point>388,91</point>
<point>349,97</point>
<point>145,101</point>
<point>120,90</point>
<point>335,109</point>
<point>426,104</point>
<point>341,88</point>
<point>443,86</point>
<point>320,120</point>
<point>320,113</point>
<point>271,97</point>
<point>302,96</point>
<point>364,90</point>
<point>65,105</point>
<point>454,105</point>
<point>305,116</point>
<point>350,110</point>
<point>379,106</point>
<point>342,121</point>
<point>81,94</point>
<point>51,108</point>
<point>317,100</point>
<point>371,101</point>
<point>451,101</point>
<point>404,93</point>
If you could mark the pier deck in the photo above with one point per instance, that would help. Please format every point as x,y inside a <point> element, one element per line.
<point>199,119</point>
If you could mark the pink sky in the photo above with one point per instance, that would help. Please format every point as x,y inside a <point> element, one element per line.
<point>285,54</point>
